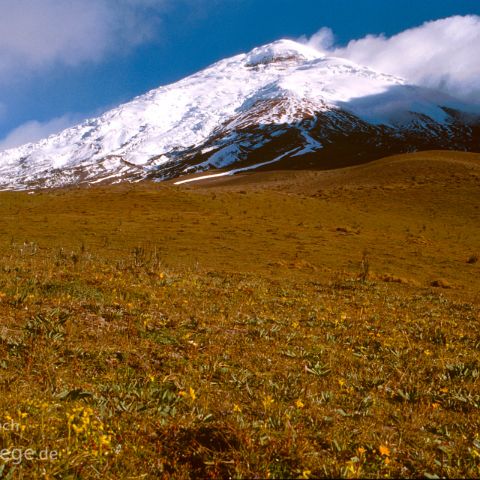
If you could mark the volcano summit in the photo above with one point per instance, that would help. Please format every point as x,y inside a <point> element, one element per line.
<point>282,104</point>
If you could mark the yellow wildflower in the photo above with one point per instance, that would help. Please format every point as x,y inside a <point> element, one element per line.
<point>77,429</point>
<point>299,404</point>
<point>267,401</point>
<point>384,450</point>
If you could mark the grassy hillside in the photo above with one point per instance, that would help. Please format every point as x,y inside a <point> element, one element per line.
<point>281,324</point>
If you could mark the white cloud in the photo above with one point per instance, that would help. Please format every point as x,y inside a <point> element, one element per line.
<point>40,33</point>
<point>441,54</point>
<point>322,41</point>
<point>33,131</point>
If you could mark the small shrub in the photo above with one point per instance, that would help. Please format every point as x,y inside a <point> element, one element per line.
<point>472,259</point>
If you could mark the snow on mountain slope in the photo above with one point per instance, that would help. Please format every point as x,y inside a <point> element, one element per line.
<point>284,93</point>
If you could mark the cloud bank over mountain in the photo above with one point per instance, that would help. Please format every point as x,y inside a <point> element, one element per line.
<point>441,54</point>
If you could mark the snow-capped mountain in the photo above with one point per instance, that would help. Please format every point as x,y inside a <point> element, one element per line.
<point>283,104</point>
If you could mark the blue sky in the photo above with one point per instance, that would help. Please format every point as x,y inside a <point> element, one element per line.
<point>63,60</point>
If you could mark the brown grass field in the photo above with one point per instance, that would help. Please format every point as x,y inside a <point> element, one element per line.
<point>297,324</point>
